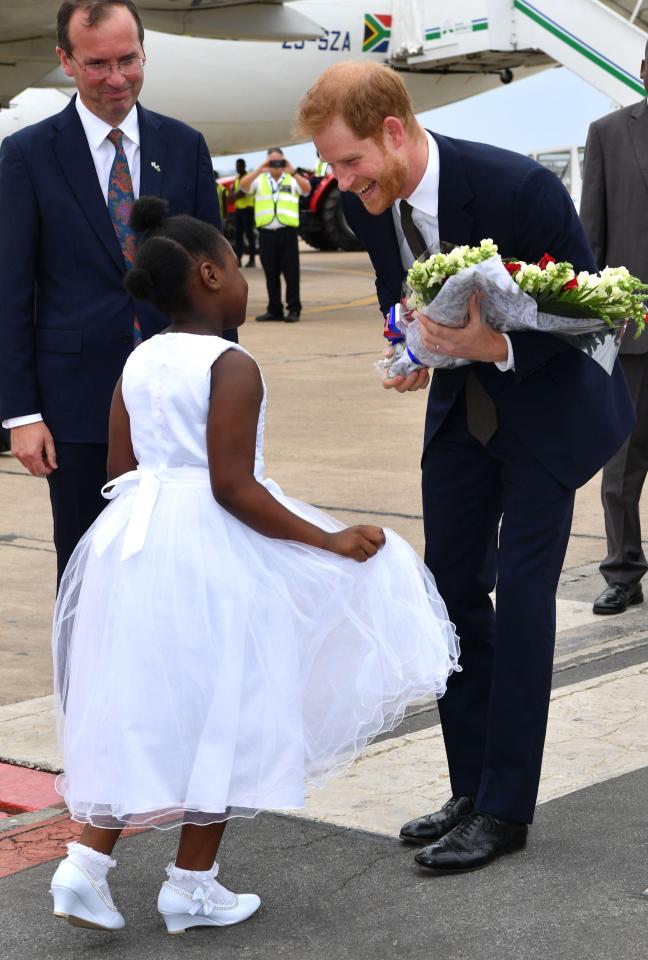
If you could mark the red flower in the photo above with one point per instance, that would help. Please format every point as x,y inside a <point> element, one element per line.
<point>570,284</point>
<point>545,260</point>
<point>512,266</point>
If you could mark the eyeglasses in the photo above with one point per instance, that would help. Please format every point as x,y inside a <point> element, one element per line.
<point>101,69</point>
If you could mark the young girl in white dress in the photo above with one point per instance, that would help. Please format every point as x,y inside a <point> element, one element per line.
<point>217,644</point>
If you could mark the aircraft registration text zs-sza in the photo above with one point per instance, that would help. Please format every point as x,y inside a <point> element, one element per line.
<point>336,40</point>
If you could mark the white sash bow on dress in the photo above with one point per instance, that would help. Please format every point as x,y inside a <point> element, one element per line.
<point>147,484</point>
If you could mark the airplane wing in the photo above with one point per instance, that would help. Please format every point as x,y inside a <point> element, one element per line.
<point>229,19</point>
<point>28,33</point>
<point>27,42</point>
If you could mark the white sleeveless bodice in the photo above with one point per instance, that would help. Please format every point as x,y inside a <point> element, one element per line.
<point>166,388</point>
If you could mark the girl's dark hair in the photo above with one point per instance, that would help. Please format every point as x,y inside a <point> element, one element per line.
<point>96,11</point>
<point>167,254</point>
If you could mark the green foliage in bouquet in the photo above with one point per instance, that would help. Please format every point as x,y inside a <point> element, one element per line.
<point>613,296</point>
<point>426,277</point>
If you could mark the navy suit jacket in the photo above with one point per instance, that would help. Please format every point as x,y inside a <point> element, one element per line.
<point>66,321</point>
<point>561,404</point>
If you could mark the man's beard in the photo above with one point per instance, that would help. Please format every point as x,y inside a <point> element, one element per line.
<point>390,185</point>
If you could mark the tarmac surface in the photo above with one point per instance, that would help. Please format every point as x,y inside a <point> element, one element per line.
<point>334,880</point>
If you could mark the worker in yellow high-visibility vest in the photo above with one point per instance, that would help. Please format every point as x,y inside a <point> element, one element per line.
<point>243,217</point>
<point>321,167</point>
<point>276,187</point>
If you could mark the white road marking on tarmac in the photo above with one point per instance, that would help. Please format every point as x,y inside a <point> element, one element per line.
<point>28,734</point>
<point>574,613</point>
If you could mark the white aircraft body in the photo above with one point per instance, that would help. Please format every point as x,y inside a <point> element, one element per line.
<point>240,75</point>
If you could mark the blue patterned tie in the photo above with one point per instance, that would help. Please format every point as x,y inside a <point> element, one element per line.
<point>120,203</point>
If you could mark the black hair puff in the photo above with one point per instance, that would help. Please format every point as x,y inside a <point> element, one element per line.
<point>140,284</point>
<point>160,274</point>
<point>167,252</point>
<point>148,213</point>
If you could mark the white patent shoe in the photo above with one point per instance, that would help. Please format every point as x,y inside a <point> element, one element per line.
<point>209,905</point>
<point>82,901</point>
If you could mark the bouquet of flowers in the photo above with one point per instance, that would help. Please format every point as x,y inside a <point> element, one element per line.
<point>592,310</point>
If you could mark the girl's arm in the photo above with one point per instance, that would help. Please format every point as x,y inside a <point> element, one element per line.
<point>121,458</point>
<point>236,394</point>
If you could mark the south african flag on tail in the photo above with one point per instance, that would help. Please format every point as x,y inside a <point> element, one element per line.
<point>377,32</point>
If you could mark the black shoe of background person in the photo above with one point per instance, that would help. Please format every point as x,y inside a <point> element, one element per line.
<point>474,843</point>
<point>250,263</point>
<point>433,826</point>
<point>268,316</point>
<point>618,597</point>
<point>292,317</point>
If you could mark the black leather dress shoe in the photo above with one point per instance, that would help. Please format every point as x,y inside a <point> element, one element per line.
<point>433,826</point>
<point>292,318</point>
<point>474,843</point>
<point>618,597</point>
<point>268,316</point>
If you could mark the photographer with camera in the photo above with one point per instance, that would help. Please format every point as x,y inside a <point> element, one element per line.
<point>277,187</point>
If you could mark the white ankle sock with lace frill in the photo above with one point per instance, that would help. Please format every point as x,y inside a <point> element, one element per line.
<point>188,880</point>
<point>95,864</point>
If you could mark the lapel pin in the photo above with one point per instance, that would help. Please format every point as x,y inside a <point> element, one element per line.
<point>156,166</point>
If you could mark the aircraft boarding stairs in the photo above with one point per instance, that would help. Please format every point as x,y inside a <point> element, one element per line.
<point>602,42</point>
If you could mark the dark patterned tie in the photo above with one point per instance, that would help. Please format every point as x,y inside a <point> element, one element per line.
<point>413,235</point>
<point>120,203</point>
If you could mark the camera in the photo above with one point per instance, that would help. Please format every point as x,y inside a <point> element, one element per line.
<point>276,163</point>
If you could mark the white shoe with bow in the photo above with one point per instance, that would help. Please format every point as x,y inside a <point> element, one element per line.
<point>195,899</point>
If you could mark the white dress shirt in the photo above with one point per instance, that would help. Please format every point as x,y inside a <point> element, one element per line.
<point>424,201</point>
<point>102,150</point>
<point>103,154</point>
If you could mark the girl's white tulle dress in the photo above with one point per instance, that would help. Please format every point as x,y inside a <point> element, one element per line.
<point>204,670</point>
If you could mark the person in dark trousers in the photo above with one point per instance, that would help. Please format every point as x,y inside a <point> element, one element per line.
<point>66,188</point>
<point>613,210</point>
<point>245,235</point>
<point>508,438</point>
<point>277,187</point>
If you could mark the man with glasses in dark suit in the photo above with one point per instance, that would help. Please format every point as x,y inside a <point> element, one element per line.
<point>67,185</point>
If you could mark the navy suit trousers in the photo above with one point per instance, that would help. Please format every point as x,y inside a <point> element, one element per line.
<point>494,714</point>
<point>75,494</point>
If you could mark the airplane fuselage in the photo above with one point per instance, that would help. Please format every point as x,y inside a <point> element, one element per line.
<point>243,95</point>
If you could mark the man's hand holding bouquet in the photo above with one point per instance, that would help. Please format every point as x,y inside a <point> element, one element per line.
<point>456,304</point>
